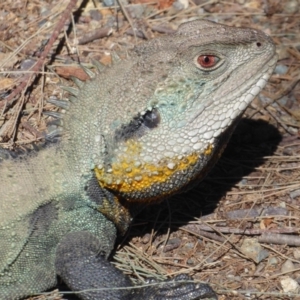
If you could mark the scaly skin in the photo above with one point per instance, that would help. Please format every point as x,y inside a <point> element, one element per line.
<point>134,134</point>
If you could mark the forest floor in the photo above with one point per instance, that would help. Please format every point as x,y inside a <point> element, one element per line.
<point>239,229</point>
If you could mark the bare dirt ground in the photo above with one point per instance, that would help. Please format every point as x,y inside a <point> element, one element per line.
<point>239,229</point>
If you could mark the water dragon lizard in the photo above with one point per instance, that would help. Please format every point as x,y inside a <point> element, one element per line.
<point>133,134</point>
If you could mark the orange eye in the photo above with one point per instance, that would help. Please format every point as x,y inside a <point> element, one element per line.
<point>207,61</point>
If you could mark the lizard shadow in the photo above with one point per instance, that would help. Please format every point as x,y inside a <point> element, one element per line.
<point>251,141</point>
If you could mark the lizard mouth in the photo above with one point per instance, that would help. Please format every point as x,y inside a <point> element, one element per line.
<point>233,102</point>
<point>245,92</point>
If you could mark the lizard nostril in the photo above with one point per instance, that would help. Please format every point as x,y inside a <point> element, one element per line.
<point>258,44</point>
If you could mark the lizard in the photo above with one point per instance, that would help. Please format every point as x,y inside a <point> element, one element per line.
<point>137,132</point>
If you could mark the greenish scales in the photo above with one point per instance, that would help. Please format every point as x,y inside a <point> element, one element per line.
<point>134,134</point>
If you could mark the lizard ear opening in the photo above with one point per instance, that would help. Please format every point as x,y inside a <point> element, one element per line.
<point>151,118</point>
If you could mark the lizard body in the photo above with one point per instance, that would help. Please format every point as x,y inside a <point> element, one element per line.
<point>134,134</point>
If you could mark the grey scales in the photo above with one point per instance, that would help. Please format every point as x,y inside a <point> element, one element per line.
<point>135,133</point>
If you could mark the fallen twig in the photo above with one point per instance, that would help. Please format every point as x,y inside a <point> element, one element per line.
<point>29,77</point>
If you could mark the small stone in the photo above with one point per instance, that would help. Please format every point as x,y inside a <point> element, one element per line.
<point>190,245</point>
<point>289,285</point>
<point>296,253</point>
<point>252,249</point>
<point>146,238</point>
<point>27,64</point>
<point>294,194</point>
<point>287,266</point>
<point>282,204</point>
<point>273,261</point>
<point>172,244</point>
<point>137,11</point>
<point>181,4</point>
<point>291,7</point>
<point>95,15</point>
<point>109,3</point>
<point>281,69</point>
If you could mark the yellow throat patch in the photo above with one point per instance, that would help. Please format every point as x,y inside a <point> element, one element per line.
<point>129,175</point>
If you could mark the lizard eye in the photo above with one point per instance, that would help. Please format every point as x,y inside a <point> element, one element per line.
<point>207,62</point>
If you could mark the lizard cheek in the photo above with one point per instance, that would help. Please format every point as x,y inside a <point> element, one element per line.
<point>139,181</point>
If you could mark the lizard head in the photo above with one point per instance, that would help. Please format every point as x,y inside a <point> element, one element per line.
<point>183,95</point>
